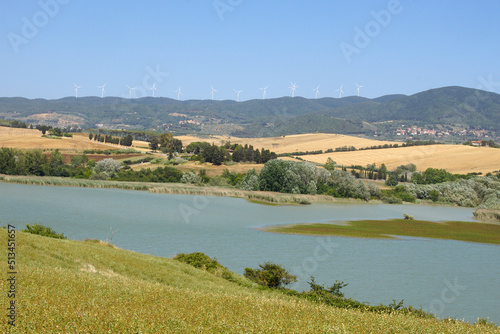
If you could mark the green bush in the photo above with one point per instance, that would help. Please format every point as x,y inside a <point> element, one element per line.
<point>206,263</point>
<point>434,195</point>
<point>43,231</point>
<point>392,200</point>
<point>270,275</point>
<point>199,260</point>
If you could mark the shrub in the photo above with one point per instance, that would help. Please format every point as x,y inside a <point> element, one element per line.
<point>333,290</point>
<point>392,180</point>
<point>43,231</point>
<point>270,275</point>
<point>206,263</point>
<point>346,185</point>
<point>190,177</point>
<point>106,168</point>
<point>392,200</point>
<point>434,195</point>
<point>218,181</point>
<point>199,260</point>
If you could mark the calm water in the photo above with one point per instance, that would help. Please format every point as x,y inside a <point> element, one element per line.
<point>449,278</point>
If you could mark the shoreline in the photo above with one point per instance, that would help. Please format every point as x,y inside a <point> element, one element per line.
<point>257,197</point>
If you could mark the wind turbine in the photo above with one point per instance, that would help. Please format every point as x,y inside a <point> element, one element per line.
<point>316,90</point>
<point>212,92</point>
<point>237,94</point>
<point>340,90</point>
<point>293,88</point>
<point>130,89</point>
<point>178,91</point>
<point>76,89</point>
<point>102,89</point>
<point>357,90</point>
<point>264,91</point>
<point>153,89</point>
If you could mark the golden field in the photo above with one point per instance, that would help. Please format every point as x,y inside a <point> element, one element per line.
<point>294,143</point>
<point>457,159</point>
<point>29,139</point>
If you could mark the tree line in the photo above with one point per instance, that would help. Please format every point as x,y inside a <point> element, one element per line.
<point>124,141</point>
<point>205,152</point>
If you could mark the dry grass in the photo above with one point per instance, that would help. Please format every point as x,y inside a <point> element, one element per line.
<point>217,170</point>
<point>294,143</point>
<point>211,169</point>
<point>457,159</point>
<point>30,139</point>
<point>67,286</point>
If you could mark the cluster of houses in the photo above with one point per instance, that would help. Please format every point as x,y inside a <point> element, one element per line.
<point>417,131</point>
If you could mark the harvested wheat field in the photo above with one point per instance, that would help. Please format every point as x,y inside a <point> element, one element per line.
<point>457,159</point>
<point>294,143</point>
<point>30,138</point>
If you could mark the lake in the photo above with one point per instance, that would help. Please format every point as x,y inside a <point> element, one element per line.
<point>449,278</point>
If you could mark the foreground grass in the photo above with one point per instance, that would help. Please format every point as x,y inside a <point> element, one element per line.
<point>67,286</point>
<point>387,229</point>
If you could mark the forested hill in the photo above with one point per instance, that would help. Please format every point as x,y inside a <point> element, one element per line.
<point>448,106</point>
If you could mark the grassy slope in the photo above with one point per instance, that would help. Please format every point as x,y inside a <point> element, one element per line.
<point>463,231</point>
<point>66,286</point>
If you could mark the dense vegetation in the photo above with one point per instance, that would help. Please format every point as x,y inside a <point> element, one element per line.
<point>204,152</point>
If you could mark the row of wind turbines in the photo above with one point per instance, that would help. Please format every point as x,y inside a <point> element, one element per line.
<point>293,89</point>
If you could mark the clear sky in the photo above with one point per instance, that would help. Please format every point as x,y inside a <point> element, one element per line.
<point>387,46</point>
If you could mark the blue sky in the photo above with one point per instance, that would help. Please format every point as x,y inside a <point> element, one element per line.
<point>387,46</point>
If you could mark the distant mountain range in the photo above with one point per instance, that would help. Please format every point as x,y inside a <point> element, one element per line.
<point>447,107</point>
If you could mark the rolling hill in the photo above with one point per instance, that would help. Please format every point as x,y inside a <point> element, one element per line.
<point>443,107</point>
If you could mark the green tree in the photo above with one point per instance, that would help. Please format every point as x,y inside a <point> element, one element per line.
<point>382,172</point>
<point>34,162</point>
<point>57,132</point>
<point>154,143</point>
<point>125,141</point>
<point>271,275</point>
<point>392,180</point>
<point>55,166</point>
<point>8,161</point>
<point>177,145</point>
<point>434,195</point>
<point>90,135</point>
<point>329,165</point>
<point>167,141</point>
